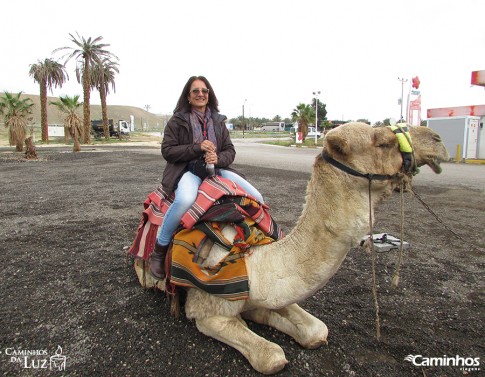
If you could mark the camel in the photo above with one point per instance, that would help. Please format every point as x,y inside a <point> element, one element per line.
<point>335,218</point>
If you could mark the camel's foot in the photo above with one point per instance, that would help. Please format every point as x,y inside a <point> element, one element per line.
<point>306,329</point>
<point>264,356</point>
<point>146,279</point>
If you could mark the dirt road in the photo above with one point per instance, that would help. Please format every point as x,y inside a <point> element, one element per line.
<point>67,220</point>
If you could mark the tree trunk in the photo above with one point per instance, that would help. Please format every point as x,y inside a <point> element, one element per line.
<point>77,146</point>
<point>17,131</point>
<point>86,109</point>
<point>43,112</point>
<point>104,111</point>
<point>304,130</point>
<point>30,151</point>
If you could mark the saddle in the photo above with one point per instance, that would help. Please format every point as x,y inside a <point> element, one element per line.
<point>220,203</point>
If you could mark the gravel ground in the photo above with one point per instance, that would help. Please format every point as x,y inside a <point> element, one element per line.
<point>67,220</point>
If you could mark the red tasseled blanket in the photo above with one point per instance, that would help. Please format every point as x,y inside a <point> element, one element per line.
<point>212,189</point>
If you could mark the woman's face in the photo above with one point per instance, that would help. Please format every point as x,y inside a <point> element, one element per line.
<point>199,95</point>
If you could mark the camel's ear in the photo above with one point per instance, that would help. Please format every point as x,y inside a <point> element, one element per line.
<point>384,137</point>
<point>337,144</point>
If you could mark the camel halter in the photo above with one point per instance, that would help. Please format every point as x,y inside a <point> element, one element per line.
<point>407,153</point>
<point>351,171</point>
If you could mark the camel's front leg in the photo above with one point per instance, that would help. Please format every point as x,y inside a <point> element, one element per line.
<point>264,356</point>
<point>145,278</point>
<point>306,329</point>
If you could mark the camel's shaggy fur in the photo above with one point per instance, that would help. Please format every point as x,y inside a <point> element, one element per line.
<point>335,217</point>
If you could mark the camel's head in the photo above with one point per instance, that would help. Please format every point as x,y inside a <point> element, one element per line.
<point>428,148</point>
<point>376,150</point>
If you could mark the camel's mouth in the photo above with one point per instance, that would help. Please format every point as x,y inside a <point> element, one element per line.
<point>434,164</point>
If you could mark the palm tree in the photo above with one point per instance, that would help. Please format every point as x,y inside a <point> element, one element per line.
<point>322,111</point>
<point>72,122</point>
<point>47,73</point>
<point>303,114</point>
<point>103,75</point>
<point>15,112</point>
<point>86,52</point>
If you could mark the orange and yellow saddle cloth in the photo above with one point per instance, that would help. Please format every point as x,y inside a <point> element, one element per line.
<point>219,201</point>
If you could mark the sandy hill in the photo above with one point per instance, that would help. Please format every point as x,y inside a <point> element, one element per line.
<point>152,121</point>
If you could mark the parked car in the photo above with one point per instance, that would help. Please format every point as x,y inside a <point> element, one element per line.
<point>311,132</point>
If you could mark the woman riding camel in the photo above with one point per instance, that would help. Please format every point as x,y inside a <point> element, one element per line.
<point>196,144</point>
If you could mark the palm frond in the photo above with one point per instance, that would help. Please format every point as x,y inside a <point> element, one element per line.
<point>90,52</point>
<point>15,111</point>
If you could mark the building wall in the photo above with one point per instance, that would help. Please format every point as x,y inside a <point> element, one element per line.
<point>463,111</point>
<point>481,138</point>
<point>454,132</point>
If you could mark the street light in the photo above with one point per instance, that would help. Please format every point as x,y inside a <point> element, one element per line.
<point>402,92</point>
<point>316,94</point>
<point>244,126</point>
<point>147,107</point>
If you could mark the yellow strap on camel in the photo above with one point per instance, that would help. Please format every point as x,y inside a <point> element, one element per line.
<point>403,137</point>
<point>405,146</point>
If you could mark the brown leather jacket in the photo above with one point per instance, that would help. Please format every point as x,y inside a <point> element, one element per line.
<point>178,147</point>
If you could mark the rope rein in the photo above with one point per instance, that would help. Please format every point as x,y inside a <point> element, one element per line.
<point>395,277</point>
<point>444,225</point>
<point>408,170</point>
<point>370,246</point>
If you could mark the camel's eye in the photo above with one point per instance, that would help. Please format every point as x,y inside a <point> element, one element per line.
<point>437,138</point>
<point>385,145</point>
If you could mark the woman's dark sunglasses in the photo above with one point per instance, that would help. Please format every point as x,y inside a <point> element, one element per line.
<point>197,91</point>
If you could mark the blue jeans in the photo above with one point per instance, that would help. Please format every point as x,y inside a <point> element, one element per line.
<point>245,185</point>
<point>185,196</point>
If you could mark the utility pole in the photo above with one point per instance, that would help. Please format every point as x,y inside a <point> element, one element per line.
<point>147,107</point>
<point>244,124</point>
<point>402,92</point>
<point>316,94</point>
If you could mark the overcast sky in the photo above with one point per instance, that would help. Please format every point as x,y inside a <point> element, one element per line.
<point>272,53</point>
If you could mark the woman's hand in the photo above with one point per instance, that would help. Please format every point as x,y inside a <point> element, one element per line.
<point>207,146</point>
<point>211,158</point>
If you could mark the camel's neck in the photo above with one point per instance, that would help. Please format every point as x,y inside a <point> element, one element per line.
<point>335,217</point>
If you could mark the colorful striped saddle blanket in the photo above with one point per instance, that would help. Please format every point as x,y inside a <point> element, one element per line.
<point>218,201</point>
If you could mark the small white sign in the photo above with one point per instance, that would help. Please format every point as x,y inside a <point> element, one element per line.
<point>55,130</point>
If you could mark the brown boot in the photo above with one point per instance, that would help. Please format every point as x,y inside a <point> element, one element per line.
<point>157,261</point>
